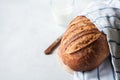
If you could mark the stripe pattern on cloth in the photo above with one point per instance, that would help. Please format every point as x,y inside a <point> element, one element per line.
<point>106,16</point>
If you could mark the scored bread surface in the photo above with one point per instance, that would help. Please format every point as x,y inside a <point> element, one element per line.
<point>80,35</point>
<point>83,47</point>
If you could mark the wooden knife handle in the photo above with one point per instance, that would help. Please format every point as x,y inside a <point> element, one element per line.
<point>52,47</point>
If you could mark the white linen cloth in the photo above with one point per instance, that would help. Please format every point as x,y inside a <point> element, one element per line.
<point>106,16</point>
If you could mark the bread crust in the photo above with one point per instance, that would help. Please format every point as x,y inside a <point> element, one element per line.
<point>83,47</point>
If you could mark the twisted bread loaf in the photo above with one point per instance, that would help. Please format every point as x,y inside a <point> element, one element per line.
<point>83,47</point>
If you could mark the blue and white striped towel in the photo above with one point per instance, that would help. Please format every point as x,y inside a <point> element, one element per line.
<point>106,16</point>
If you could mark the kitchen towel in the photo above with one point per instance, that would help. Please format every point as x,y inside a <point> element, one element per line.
<point>106,16</point>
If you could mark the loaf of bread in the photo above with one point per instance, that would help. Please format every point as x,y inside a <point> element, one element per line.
<point>83,47</point>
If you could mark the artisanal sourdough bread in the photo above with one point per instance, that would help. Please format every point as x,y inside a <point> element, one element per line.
<point>83,47</point>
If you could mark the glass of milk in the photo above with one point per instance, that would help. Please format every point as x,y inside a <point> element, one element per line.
<point>62,11</point>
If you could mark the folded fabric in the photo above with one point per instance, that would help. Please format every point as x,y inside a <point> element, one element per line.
<point>106,16</point>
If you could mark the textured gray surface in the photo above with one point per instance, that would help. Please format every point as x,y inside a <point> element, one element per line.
<point>26,29</point>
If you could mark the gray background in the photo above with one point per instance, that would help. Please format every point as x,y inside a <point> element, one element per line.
<point>27,27</point>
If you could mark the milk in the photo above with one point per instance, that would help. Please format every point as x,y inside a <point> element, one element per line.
<point>62,11</point>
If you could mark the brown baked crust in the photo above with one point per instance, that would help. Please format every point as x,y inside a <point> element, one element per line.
<point>83,47</point>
